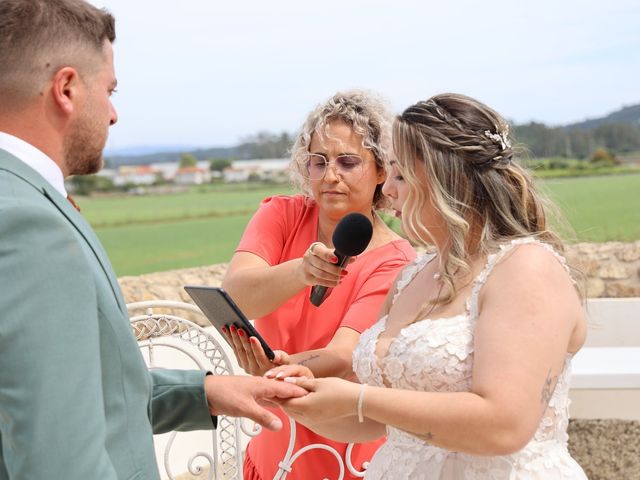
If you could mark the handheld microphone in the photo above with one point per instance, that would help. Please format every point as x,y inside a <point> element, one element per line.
<point>350,238</point>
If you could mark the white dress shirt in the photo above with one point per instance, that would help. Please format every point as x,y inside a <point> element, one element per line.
<point>36,159</point>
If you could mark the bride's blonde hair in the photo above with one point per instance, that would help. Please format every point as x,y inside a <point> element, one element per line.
<point>472,180</point>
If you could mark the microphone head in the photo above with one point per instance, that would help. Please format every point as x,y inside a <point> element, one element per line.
<point>352,234</point>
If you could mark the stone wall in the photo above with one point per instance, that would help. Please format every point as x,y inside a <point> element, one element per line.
<point>606,449</point>
<point>610,270</point>
<point>169,285</point>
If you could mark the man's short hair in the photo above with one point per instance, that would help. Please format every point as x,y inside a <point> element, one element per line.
<point>38,37</point>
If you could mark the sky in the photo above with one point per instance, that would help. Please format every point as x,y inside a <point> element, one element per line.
<point>205,73</point>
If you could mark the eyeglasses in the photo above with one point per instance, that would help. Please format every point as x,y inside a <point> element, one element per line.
<point>314,166</point>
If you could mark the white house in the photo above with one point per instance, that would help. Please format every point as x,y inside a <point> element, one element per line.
<point>232,174</point>
<point>274,169</point>
<point>137,175</point>
<point>192,176</point>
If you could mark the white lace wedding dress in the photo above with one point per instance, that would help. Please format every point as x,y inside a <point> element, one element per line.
<point>437,356</point>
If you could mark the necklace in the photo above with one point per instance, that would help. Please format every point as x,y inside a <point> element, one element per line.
<point>434,304</point>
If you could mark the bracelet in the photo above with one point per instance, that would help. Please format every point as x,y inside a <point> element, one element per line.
<point>360,401</point>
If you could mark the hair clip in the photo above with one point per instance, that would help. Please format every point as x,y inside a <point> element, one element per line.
<point>500,138</point>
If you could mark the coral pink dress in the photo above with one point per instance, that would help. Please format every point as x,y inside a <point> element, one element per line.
<point>282,230</point>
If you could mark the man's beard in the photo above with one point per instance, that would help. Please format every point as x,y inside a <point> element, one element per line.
<point>83,147</point>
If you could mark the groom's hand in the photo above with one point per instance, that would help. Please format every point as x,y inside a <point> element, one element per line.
<point>241,396</point>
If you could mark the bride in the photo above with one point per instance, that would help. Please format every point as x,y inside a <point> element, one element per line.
<point>467,370</point>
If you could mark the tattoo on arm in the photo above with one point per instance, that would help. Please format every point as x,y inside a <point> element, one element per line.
<point>547,389</point>
<point>307,360</point>
<point>427,437</point>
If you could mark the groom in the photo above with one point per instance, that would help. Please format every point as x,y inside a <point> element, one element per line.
<point>76,399</point>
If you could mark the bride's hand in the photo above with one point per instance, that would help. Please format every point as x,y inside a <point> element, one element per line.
<point>329,399</point>
<point>293,370</point>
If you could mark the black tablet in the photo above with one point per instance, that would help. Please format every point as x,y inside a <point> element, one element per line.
<point>221,311</point>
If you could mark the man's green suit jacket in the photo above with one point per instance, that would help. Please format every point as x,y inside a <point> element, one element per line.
<point>76,399</point>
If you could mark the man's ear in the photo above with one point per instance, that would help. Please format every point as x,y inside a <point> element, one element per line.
<point>66,88</point>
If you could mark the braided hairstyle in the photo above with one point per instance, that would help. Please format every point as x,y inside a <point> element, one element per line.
<point>366,113</point>
<point>472,181</point>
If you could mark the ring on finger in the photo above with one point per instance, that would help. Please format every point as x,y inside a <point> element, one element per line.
<point>312,246</point>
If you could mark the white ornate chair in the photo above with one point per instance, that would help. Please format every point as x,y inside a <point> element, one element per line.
<point>169,340</point>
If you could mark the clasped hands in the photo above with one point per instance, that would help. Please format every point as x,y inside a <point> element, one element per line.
<point>310,402</point>
<point>324,399</point>
<point>328,399</point>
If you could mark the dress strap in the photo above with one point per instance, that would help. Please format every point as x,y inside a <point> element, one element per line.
<point>494,258</point>
<point>410,271</point>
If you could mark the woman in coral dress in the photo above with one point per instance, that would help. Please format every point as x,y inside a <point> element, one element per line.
<point>338,162</point>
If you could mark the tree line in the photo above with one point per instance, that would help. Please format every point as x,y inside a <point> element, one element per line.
<point>543,141</point>
<point>538,139</point>
<point>616,133</point>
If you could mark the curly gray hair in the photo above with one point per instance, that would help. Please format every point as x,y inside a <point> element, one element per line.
<point>369,117</point>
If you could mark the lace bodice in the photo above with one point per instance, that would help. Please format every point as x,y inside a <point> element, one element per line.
<point>437,355</point>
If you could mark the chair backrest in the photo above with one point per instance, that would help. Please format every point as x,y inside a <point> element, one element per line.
<point>613,322</point>
<point>169,340</point>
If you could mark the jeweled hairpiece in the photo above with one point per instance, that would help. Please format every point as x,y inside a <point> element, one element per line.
<point>500,137</point>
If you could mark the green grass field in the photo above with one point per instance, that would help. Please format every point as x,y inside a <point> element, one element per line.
<point>599,209</point>
<point>138,249</point>
<point>153,233</point>
<point>200,202</point>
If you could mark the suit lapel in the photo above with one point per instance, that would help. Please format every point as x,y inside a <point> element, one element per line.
<point>89,235</point>
<point>17,167</point>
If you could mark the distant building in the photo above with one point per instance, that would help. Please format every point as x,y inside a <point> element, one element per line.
<point>168,169</point>
<point>271,169</point>
<point>137,175</point>
<point>192,176</point>
<point>109,173</point>
<point>232,174</point>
